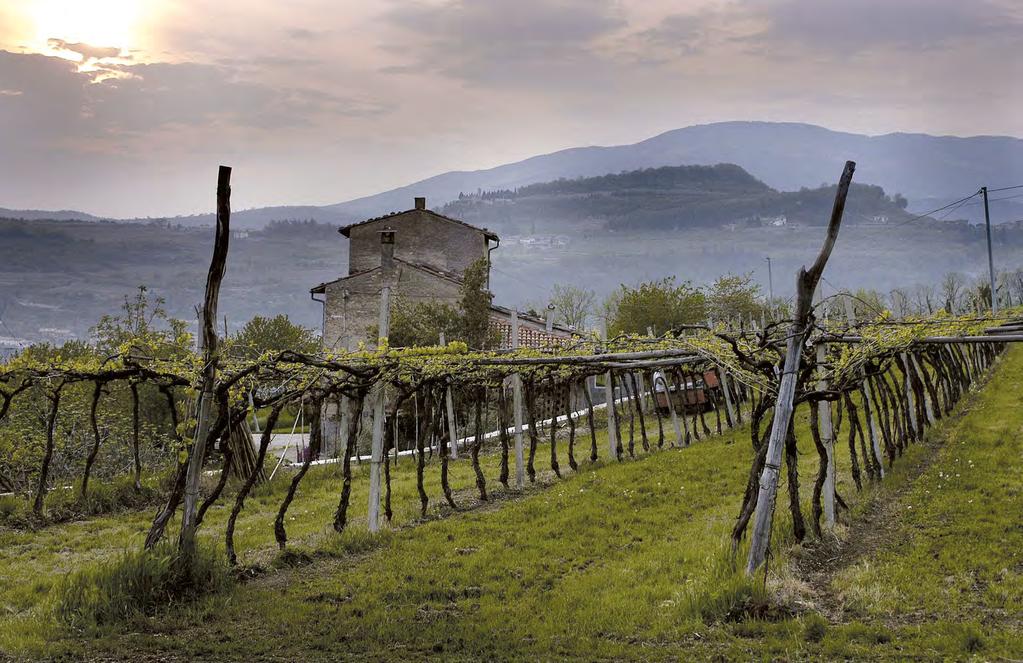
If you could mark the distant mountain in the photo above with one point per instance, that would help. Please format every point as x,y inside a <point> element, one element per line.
<point>928,170</point>
<point>260,217</point>
<point>39,215</point>
<point>249,219</point>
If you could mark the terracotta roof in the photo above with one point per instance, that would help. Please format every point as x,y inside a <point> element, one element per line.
<point>525,317</point>
<point>346,230</point>
<point>532,331</point>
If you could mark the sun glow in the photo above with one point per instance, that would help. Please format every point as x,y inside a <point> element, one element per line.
<point>102,23</point>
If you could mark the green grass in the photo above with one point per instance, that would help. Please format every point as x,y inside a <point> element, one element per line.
<point>623,560</point>
<point>137,583</point>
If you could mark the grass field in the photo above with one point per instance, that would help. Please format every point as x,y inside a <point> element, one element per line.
<point>625,560</point>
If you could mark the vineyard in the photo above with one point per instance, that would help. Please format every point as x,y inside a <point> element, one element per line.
<point>846,400</point>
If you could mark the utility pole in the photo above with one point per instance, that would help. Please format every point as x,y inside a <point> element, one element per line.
<point>770,287</point>
<point>990,258</point>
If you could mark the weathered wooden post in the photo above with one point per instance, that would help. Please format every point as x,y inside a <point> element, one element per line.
<point>379,402</point>
<point>679,440</point>
<point>609,399</point>
<point>449,405</point>
<point>520,460</point>
<point>208,333</point>
<point>806,284</point>
<point>928,404</point>
<point>875,438</point>
<point>827,438</point>
<point>729,407</point>
<point>910,396</point>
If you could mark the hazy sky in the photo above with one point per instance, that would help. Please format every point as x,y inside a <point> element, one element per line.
<point>126,107</point>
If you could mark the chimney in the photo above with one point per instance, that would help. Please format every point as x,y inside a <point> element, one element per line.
<point>420,202</point>
<point>550,317</point>
<point>387,249</point>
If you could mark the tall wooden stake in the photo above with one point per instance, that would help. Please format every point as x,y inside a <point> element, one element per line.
<point>449,405</point>
<point>380,400</point>
<point>520,460</point>
<point>679,440</point>
<point>806,283</point>
<point>875,438</point>
<point>828,439</point>
<point>910,396</point>
<point>729,406</point>
<point>609,398</point>
<point>208,331</point>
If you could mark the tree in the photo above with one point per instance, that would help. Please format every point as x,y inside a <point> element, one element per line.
<point>868,304</point>
<point>274,334</point>
<point>421,323</point>
<point>143,323</point>
<point>1013,285</point>
<point>925,298</point>
<point>952,286</point>
<point>902,302</point>
<point>734,296</point>
<point>661,305</point>
<point>474,301</point>
<point>574,306</point>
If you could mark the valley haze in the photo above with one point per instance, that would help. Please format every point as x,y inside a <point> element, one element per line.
<point>568,241</point>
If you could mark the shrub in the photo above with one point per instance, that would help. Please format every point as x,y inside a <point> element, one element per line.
<point>729,595</point>
<point>873,635</point>
<point>8,507</point>
<point>16,512</point>
<point>815,627</point>
<point>137,583</point>
<point>972,638</point>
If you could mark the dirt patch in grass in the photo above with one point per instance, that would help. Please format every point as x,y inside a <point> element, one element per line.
<point>871,528</point>
<point>874,523</point>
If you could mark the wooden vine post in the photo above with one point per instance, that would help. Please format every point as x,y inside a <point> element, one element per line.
<point>516,379</point>
<point>806,284</point>
<point>449,405</point>
<point>609,399</point>
<point>869,402</point>
<point>379,401</point>
<point>670,398</point>
<point>910,396</point>
<point>210,359</point>
<point>729,406</point>
<point>827,438</point>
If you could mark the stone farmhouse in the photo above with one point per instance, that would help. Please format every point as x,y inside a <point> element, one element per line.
<point>421,255</point>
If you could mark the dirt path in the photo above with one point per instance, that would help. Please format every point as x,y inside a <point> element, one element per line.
<point>872,528</point>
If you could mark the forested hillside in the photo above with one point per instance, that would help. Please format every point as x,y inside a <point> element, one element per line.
<point>668,198</point>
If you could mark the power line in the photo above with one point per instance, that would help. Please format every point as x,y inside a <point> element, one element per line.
<point>954,205</point>
<point>995,200</point>
<point>1006,188</point>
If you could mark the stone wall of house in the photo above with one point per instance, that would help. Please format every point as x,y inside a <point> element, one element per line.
<point>353,304</point>
<point>420,237</point>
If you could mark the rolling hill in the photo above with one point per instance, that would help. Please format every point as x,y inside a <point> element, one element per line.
<point>928,170</point>
<point>665,199</point>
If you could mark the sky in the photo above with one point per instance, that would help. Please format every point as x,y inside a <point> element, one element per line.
<point>126,107</point>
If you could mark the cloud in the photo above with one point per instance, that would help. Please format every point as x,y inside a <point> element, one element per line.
<point>304,34</point>
<point>149,95</point>
<point>840,26</point>
<point>87,51</point>
<point>502,41</point>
